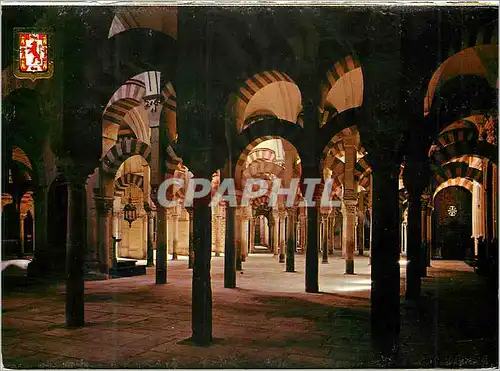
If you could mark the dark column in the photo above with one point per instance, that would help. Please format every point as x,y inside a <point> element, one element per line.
<point>150,255</point>
<point>271,232</point>
<point>312,250</point>
<point>191,250</point>
<point>413,281</point>
<point>385,293</point>
<point>237,240</point>
<point>202,290</point>
<point>423,244</point>
<point>161,244</point>
<point>324,259</point>
<point>290,243</point>
<point>75,254</point>
<point>229,250</point>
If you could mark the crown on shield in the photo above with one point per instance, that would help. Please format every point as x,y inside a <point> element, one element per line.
<point>33,53</point>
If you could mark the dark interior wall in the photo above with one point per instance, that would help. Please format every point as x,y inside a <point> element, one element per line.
<point>453,233</point>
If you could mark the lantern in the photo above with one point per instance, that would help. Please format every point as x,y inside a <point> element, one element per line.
<point>130,212</point>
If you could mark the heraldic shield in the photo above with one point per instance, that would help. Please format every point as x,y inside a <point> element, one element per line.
<point>33,54</point>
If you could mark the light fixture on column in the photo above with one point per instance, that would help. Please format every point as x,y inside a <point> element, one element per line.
<point>130,211</point>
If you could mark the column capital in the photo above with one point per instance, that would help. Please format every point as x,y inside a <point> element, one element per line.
<point>104,205</point>
<point>350,208</point>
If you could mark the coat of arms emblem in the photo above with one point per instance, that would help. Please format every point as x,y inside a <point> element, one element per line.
<point>32,54</point>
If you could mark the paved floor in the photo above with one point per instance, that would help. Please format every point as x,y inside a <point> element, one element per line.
<point>268,321</point>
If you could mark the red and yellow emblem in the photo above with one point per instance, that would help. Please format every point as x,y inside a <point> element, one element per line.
<point>32,54</point>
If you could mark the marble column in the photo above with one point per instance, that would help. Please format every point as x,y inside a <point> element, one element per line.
<point>237,232</point>
<point>276,222</point>
<point>21,229</point>
<point>312,267</point>
<point>349,234</point>
<point>150,230</point>
<point>201,297</point>
<point>424,202</point>
<point>282,237</point>
<point>324,242</point>
<point>350,201</point>
<point>361,223</point>
<point>104,207</point>
<point>229,249</point>
<point>252,231</point>
<point>75,239</point>
<point>191,235</point>
<point>290,245</point>
<point>175,232</point>
<point>154,108</point>
<point>244,237</point>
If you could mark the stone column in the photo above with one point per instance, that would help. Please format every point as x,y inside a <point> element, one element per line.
<point>150,231</point>
<point>252,231</point>
<point>350,200</point>
<point>153,104</point>
<point>349,233</point>
<point>175,232</point>
<point>229,249</point>
<point>361,223</point>
<point>303,231</point>
<point>104,207</point>
<point>39,262</point>
<point>191,235</point>
<point>429,234</point>
<point>271,233</point>
<point>423,236</point>
<point>290,246</point>
<point>324,242</point>
<point>276,222</point>
<point>282,236</point>
<point>21,229</point>
<point>75,240</point>
<point>202,290</point>
<point>385,270</point>
<point>312,250</point>
<point>237,232</point>
<point>244,236</point>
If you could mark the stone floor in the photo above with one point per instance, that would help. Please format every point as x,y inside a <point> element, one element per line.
<point>267,322</point>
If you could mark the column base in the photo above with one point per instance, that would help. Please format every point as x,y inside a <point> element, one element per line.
<point>174,256</point>
<point>161,277</point>
<point>281,258</point>
<point>324,261</point>
<point>349,267</point>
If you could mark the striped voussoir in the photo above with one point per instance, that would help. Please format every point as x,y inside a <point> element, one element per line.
<point>20,156</point>
<point>336,146</point>
<point>265,154</point>
<point>457,170</point>
<point>454,182</point>
<point>258,81</point>
<point>128,96</point>
<point>458,135</point>
<point>361,169</point>
<point>127,180</point>
<point>261,167</point>
<point>339,69</point>
<point>121,151</point>
<point>170,97</point>
<point>485,35</point>
<point>172,161</point>
<point>246,151</point>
